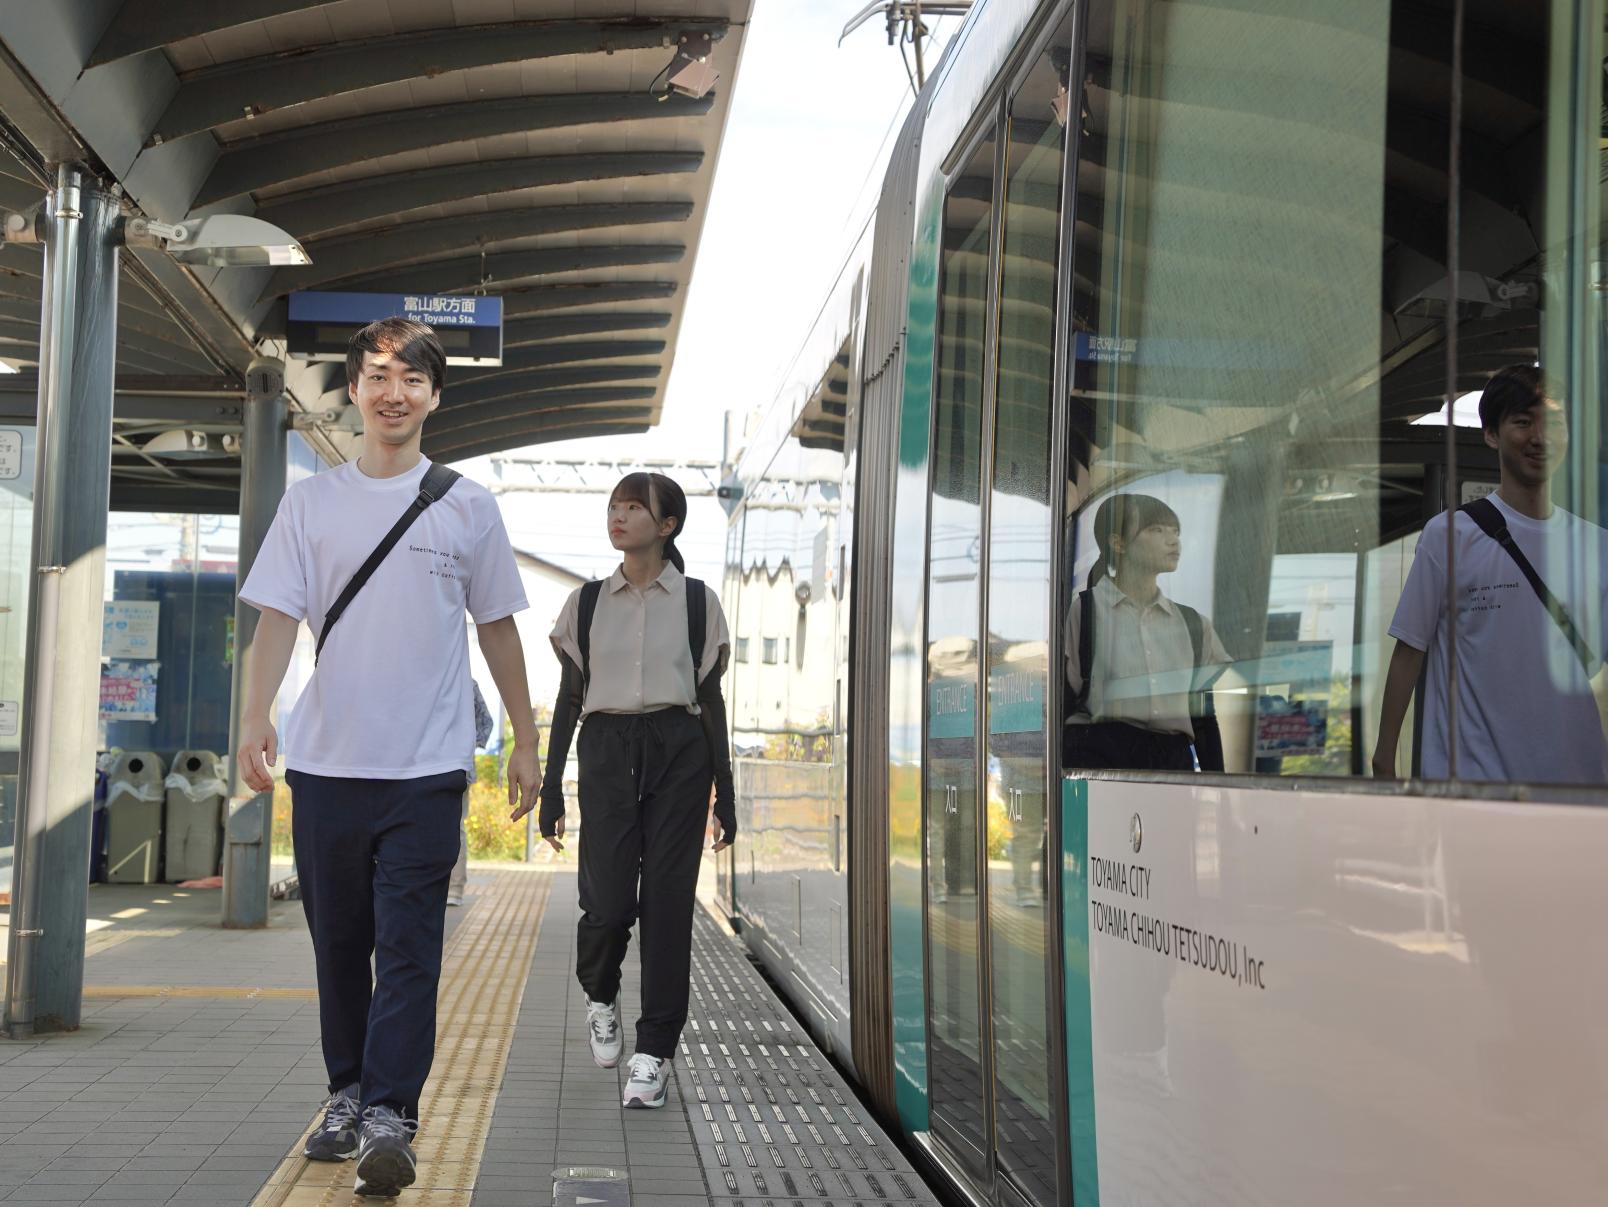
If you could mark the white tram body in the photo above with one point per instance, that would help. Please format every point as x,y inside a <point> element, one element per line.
<point>1196,252</point>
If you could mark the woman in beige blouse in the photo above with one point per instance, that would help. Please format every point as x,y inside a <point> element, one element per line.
<point>643,653</point>
<point>1138,664</point>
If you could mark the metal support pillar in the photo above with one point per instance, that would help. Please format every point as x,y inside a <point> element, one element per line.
<point>61,696</point>
<point>248,828</point>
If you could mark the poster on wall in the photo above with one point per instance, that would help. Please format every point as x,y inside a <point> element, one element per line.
<point>1292,710</point>
<point>129,629</point>
<point>128,691</point>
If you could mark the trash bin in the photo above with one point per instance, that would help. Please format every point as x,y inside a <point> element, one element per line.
<point>134,794</point>
<point>195,792</point>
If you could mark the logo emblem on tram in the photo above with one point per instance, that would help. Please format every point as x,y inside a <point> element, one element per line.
<point>1136,833</point>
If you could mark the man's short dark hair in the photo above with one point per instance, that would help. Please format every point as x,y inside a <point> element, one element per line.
<point>1515,389</point>
<point>414,344</point>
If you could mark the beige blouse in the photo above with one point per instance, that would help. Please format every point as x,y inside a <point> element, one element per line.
<point>1144,662</point>
<point>640,656</point>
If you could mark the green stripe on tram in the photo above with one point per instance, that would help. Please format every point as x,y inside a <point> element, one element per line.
<point>1079,1023</point>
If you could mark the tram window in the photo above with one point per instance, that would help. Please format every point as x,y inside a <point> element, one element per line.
<point>770,651</point>
<point>1257,432</point>
<point>741,654</point>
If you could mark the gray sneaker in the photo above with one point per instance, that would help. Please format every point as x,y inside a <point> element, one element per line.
<point>335,1137</point>
<point>385,1161</point>
<point>603,1033</point>
<point>649,1084</point>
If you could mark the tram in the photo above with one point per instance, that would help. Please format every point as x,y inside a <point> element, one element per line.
<point>1221,255</point>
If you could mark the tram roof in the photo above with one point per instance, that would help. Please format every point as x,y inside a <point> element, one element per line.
<point>511,146</point>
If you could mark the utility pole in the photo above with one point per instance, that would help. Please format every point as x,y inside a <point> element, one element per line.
<point>905,26</point>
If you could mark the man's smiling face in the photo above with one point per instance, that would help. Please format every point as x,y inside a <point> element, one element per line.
<point>393,397</point>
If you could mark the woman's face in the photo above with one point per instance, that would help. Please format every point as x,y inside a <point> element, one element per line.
<point>1154,549</point>
<point>632,527</point>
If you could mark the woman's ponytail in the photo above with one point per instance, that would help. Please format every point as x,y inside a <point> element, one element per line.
<point>672,502</point>
<point>673,555</point>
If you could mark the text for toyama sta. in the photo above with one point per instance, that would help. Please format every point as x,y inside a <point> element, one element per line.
<point>1187,944</point>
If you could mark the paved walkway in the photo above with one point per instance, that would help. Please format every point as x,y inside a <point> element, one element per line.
<point>197,1074</point>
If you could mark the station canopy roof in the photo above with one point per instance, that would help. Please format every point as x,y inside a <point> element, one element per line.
<point>527,149</point>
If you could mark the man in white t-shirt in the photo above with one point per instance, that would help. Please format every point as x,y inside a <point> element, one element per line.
<point>380,745</point>
<point>1526,709</point>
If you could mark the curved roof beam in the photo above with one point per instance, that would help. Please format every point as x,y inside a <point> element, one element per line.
<point>415,242</point>
<point>276,159</point>
<point>313,212</point>
<point>142,25</point>
<point>216,95</point>
<point>452,418</point>
<point>625,427</point>
<point>503,268</point>
<point>544,299</point>
<point>520,430</point>
<point>535,328</point>
<point>538,356</point>
<point>457,399</point>
<point>470,396</point>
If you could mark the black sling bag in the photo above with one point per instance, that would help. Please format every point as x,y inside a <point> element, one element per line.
<point>1486,514</point>
<point>438,480</point>
<point>697,605</point>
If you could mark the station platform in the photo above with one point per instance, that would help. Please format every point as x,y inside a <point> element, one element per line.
<point>197,1074</point>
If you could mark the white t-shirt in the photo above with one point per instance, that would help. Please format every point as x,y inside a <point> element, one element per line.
<point>391,697</point>
<point>1525,712</point>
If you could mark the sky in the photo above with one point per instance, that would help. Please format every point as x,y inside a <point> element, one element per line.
<point>800,168</point>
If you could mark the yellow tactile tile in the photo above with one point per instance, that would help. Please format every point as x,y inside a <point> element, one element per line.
<point>205,991</point>
<point>482,980</point>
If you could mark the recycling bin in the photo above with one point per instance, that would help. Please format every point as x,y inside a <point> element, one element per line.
<point>192,834</point>
<point>134,799</point>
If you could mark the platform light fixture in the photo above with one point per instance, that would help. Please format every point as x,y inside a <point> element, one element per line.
<point>221,241</point>
<point>689,72</point>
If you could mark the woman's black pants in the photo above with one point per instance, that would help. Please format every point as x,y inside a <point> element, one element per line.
<point>644,786</point>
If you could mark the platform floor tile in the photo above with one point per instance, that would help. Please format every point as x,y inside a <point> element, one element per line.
<point>756,1114</point>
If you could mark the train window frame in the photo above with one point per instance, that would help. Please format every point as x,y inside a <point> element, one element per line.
<point>991,118</point>
<point>1355,783</point>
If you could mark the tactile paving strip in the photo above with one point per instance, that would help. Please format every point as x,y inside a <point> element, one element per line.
<point>483,975</point>
<point>775,1124</point>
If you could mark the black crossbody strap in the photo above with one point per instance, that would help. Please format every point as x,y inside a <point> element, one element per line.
<point>697,618</point>
<point>438,480</point>
<point>1085,648</point>
<point>583,623</point>
<point>1485,513</point>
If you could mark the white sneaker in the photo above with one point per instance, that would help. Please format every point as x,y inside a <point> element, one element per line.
<point>603,1033</point>
<point>454,897</point>
<point>649,1084</point>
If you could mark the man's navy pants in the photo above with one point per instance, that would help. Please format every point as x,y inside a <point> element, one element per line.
<point>374,857</point>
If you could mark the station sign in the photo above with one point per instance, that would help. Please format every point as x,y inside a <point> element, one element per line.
<point>469,325</point>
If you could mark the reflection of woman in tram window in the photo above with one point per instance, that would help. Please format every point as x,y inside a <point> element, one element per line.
<point>1138,665</point>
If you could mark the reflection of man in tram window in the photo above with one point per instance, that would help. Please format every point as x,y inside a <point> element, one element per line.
<point>1525,706</point>
<point>1138,664</point>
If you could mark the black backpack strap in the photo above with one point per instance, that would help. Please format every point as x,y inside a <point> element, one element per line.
<point>437,481</point>
<point>583,627</point>
<point>1085,648</point>
<point>697,618</point>
<point>1485,513</point>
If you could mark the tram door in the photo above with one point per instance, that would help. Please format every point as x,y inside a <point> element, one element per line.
<point>1021,535</point>
<point>957,1081</point>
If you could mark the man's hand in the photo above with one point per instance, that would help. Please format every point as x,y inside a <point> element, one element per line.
<point>259,749</point>
<point>524,779</point>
